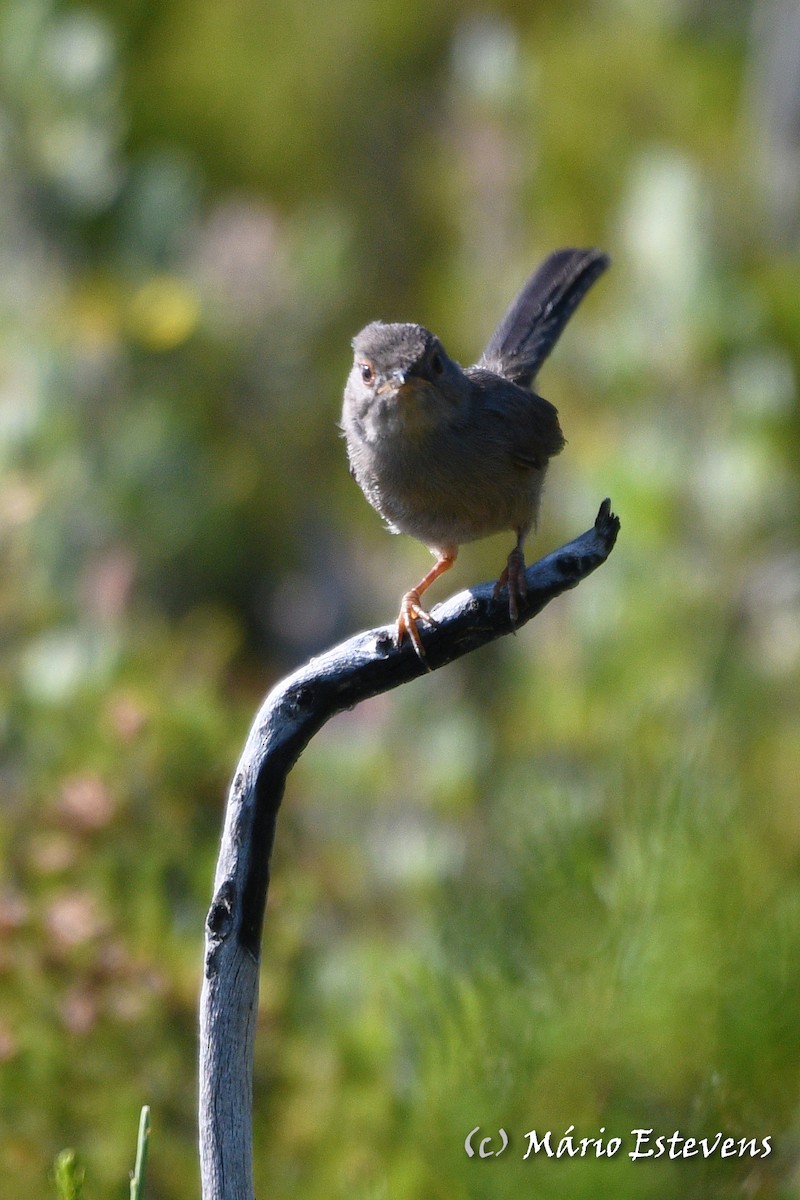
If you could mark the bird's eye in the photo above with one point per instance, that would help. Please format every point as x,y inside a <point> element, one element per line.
<point>367,374</point>
<point>437,363</point>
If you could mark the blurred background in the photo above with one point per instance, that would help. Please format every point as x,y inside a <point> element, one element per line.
<point>555,884</point>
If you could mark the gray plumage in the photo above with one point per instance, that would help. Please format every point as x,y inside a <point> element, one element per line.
<point>450,455</point>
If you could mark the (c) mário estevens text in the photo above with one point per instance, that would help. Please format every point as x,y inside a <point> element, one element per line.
<point>642,1144</point>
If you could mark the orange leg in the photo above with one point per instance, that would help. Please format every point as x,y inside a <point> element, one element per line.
<point>514,575</point>
<point>412,611</point>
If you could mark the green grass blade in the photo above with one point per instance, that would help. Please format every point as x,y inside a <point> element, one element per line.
<point>142,1145</point>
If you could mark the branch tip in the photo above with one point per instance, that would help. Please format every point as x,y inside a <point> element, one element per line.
<point>607,523</point>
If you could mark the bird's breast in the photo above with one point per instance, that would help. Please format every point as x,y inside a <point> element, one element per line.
<point>443,489</point>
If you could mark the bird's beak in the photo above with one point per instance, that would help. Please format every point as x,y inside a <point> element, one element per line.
<point>393,382</point>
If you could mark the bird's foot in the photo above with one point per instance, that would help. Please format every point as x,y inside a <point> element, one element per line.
<point>412,611</point>
<point>513,575</point>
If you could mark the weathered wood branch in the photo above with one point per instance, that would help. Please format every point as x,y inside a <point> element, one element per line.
<point>295,709</point>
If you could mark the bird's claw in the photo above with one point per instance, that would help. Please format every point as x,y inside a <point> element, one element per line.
<point>513,575</point>
<point>412,611</point>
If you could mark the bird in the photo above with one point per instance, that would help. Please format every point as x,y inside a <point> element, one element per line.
<point>450,455</point>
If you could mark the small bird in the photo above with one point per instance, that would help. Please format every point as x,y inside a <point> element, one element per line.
<point>450,455</point>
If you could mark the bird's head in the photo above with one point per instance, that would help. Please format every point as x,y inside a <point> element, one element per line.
<point>404,371</point>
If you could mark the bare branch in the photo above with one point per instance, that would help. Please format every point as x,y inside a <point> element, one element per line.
<point>363,666</point>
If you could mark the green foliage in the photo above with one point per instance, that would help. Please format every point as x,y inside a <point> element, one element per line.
<point>68,1176</point>
<point>558,884</point>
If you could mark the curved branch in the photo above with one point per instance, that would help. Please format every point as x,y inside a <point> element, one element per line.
<point>363,666</point>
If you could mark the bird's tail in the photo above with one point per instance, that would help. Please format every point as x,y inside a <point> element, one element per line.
<point>533,322</point>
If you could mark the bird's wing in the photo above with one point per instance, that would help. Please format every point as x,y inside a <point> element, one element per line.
<point>525,426</point>
<point>534,321</point>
